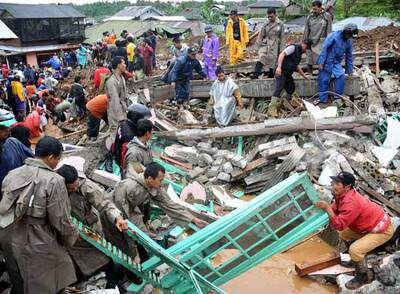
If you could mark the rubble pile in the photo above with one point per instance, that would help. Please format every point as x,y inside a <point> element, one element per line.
<point>387,37</point>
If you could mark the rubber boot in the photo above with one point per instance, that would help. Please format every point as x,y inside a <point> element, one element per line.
<point>257,70</point>
<point>273,107</point>
<point>361,277</point>
<point>310,69</point>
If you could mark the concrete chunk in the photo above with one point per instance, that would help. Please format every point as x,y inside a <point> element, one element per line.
<point>239,161</point>
<point>197,171</point>
<point>206,158</point>
<point>227,167</point>
<point>224,177</point>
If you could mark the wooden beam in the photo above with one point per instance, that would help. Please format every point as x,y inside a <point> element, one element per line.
<point>188,166</point>
<point>362,124</point>
<point>322,262</point>
<point>249,167</point>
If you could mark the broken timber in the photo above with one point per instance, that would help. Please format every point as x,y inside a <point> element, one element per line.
<point>253,88</point>
<point>324,261</point>
<point>362,124</point>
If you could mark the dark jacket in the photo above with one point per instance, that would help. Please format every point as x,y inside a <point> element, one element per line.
<point>79,95</point>
<point>291,61</point>
<point>125,132</point>
<point>183,69</point>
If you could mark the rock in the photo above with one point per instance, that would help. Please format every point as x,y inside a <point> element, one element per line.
<point>212,172</point>
<point>219,161</point>
<point>221,153</point>
<point>224,177</point>
<point>197,171</point>
<point>155,224</point>
<point>227,167</point>
<point>239,161</point>
<point>202,179</point>
<point>302,166</point>
<point>206,158</point>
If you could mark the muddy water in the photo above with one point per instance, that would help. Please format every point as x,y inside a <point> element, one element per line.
<point>277,274</point>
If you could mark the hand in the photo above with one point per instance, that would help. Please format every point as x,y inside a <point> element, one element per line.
<point>173,84</point>
<point>121,224</point>
<point>278,71</point>
<point>306,77</point>
<point>322,205</point>
<point>320,66</point>
<point>200,223</point>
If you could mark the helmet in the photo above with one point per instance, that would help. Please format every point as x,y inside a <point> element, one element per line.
<point>137,111</point>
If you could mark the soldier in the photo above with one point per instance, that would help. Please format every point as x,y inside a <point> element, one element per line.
<point>269,44</point>
<point>87,201</point>
<point>318,26</point>
<point>36,199</point>
<point>237,37</point>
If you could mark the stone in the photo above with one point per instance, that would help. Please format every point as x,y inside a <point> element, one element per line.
<point>301,166</point>
<point>202,179</point>
<point>197,171</point>
<point>212,172</point>
<point>224,177</point>
<point>206,158</point>
<point>155,224</point>
<point>227,167</point>
<point>239,161</point>
<point>221,153</point>
<point>219,161</point>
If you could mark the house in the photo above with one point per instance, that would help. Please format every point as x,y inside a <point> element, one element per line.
<point>135,13</point>
<point>242,10</point>
<point>293,9</point>
<point>41,29</point>
<point>261,7</point>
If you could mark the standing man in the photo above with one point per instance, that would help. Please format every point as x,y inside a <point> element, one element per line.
<point>17,90</point>
<point>117,95</point>
<point>79,97</point>
<point>153,44</point>
<point>269,44</point>
<point>37,199</point>
<point>337,45</point>
<point>97,108</point>
<point>182,73</point>
<point>288,63</point>
<point>210,52</point>
<point>130,51</point>
<point>237,37</point>
<point>318,26</point>
<point>361,223</point>
<point>178,49</point>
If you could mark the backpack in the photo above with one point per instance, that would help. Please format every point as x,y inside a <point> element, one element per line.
<point>16,200</point>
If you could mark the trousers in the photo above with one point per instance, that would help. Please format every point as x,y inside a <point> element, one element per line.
<point>236,52</point>
<point>364,243</point>
<point>209,69</point>
<point>182,91</point>
<point>284,81</point>
<point>324,79</point>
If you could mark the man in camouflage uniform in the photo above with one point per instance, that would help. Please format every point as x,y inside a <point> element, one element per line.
<point>318,26</point>
<point>269,44</point>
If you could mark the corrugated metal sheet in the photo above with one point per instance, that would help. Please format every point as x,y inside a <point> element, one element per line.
<point>6,33</point>
<point>15,49</point>
<point>364,23</point>
<point>267,4</point>
<point>134,12</point>
<point>41,11</point>
<point>167,18</point>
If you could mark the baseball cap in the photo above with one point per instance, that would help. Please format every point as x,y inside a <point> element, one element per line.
<point>345,178</point>
<point>208,29</point>
<point>234,12</point>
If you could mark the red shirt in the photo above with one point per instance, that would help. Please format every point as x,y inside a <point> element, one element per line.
<point>359,214</point>
<point>32,122</point>
<point>97,75</point>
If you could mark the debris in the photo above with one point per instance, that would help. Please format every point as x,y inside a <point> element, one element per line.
<point>194,193</point>
<point>226,201</point>
<point>322,262</point>
<point>224,177</point>
<point>197,171</point>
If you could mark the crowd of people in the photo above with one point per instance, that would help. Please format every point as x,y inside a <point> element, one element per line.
<point>40,191</point>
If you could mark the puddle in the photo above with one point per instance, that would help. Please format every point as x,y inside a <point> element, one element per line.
<point>277,274</point>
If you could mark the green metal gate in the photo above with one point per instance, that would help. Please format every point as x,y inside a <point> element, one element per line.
<point>269,224</point>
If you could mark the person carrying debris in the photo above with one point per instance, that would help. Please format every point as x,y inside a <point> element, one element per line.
<point>182,73</point>
<point>337,45</point>
<point>269,44</point>
<point>210,51</point>
<point>138,153</point>
<point>97,108</point>
<point>237,37</point>
<point>115,88</point>
<point>224,98</point>
<point>362,224</point>
<point>288,62</point>
<point>127,130</point>
<point>35,210</point>
<point>318,26</point>
<point>87,202</point>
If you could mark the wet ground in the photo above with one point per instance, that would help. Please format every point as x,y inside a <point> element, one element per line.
<point>277,274</point>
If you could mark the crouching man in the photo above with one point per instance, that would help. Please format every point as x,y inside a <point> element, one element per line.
<point>360,222</point>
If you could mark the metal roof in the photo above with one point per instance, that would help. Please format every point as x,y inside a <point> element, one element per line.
<point>41,11</point>
<point>19,50</point>
<point>167,18</point>
<point>267,4</point>
<point>6,33</point>
<point>364,23</point>
<point>133,12</point>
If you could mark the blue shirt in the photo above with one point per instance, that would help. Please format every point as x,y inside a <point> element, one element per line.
<point>183,69</point>
<point>13,154</point>
<point>334,49</point>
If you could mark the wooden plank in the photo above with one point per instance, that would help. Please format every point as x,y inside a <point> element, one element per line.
<point>276,143</point>
<point>322,262</point>
<point>252,179</point>
<point>174,161</point>
<point>253,153</point>
<point>277,151</point>
<point>249,167</point>
<point>379,197</point>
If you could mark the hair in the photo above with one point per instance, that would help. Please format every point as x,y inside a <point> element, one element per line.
<point>317,3</point>
<point>77,79</point>
<point>143,126</point>
<point>48,146</point>
<point>69,173</point>
<point>21,133</point>
<point>17,78</point>
<point>271,10</point>
<point>308,42</point>
<point>152,170</point>
<point>116,61</point>
<point>147,41</point>
<point>52,92</point>
<point>129,39</point>
<point>176,40</point>
<point>219,70</point>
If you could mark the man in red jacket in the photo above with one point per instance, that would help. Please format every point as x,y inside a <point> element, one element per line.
<point>359,221</point>
<point>100,70</point>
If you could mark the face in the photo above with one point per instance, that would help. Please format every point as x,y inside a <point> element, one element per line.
<point>4,133</point>
<point>209,34</point>
<point>192,55</point>
<point>234,17</point>
<point>303,47</point>
<point>178,45</point>
<point>221,77</point>
<point>157,182</point>
<point>122,66</point>
<point>316,10</point>
<point>338,188</point>
<point>271,17</point>
<point>73,187</point>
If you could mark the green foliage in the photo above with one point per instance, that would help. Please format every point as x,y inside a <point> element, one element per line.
<point>389,8</point>
<point>102,9</point>
<point>209,14</point>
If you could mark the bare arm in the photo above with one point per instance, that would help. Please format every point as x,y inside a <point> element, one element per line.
<point>301,72</point>
<point>281,57</point>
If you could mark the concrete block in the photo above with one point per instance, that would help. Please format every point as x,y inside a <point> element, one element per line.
<point>206,158</point>
<point>212,172</point>
<point>239,161</point>
<point>197,171</point>
<point>227,167</point>
<point>224,177</point>
<point>202,179</point>
<point>219,161</point>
